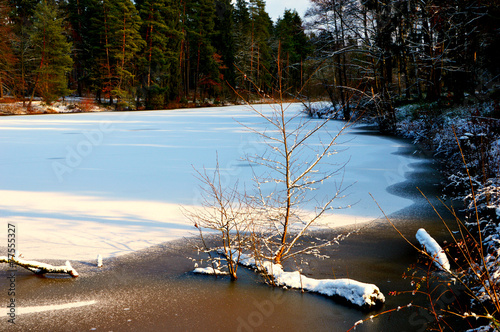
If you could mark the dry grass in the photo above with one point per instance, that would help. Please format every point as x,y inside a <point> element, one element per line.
<point>87,105</point>
<point>11,108</point>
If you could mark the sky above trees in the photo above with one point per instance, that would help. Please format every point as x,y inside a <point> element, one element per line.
<point>276,8</point>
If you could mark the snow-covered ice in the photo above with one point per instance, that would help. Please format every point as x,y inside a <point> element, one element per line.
<point>78,185</point>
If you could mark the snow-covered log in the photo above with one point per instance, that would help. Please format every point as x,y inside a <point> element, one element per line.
<point>357,293</point>
<point>41,268</point>
<point>209,270</point>
<point>433,249</point>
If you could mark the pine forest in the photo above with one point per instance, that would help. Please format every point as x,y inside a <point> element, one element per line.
<point>366,55</point>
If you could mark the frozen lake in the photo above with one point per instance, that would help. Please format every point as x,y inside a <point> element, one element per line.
<point>78,185</point>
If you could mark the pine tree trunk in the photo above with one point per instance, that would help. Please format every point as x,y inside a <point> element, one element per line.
<point>38,74</point>
<point>23,71</point>
<point>150,47</point>
<point>124,43</point>
<point>251,62</point>
<point>108,65</point>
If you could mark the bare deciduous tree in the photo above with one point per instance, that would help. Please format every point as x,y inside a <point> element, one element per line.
<point>225,212</point>
<point>293,170</point>
<point>271,222</point>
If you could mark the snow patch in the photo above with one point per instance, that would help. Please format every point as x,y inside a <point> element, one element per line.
<point>65,226</point>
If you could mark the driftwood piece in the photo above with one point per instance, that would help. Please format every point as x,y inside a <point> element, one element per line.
<point>40,268</point>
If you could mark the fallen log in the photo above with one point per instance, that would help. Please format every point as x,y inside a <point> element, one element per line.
<point>358,293</point>
<point>40,268</point>
<point>433,249</point>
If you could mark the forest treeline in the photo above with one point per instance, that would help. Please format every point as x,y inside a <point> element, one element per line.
<point>149,52</point>
<point>362,54</point>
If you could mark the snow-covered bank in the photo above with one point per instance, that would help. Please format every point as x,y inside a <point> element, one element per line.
<point>79,185</point>
<point>466,140</point>
<point>68,105</point>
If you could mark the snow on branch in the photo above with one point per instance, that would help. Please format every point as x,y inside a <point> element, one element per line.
<point>433,249</point>
<point>40,268</point>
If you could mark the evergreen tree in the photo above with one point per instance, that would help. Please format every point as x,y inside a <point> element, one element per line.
<point>253,55</point>
<point>100,77</point>
<point>160,59</point>
<point>204,63</point>
<point>7,58</point>
<point>294,47</point>
<point>125,43</point>
<point>116,24</point>
<point>242,40</point>
<point>84,39</point>
<point>241,14</point>
<point>22,17</point>
<point>260,49</point>
<point>51,51</point>
<point>223,39</point>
